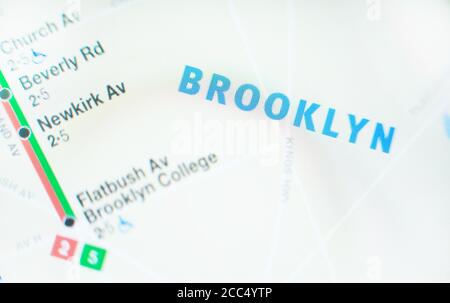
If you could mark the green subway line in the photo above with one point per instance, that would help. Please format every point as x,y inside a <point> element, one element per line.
<point>3,82</point>
<point>39,153</point>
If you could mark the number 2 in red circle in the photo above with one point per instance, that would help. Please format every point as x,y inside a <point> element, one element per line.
<point>64,248</point>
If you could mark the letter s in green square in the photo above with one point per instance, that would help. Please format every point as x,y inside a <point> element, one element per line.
<point>93,257</point>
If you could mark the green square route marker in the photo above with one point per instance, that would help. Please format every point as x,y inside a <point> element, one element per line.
<point>93,257</point>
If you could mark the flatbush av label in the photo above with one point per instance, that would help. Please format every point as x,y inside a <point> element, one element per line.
<point>136,186</point>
